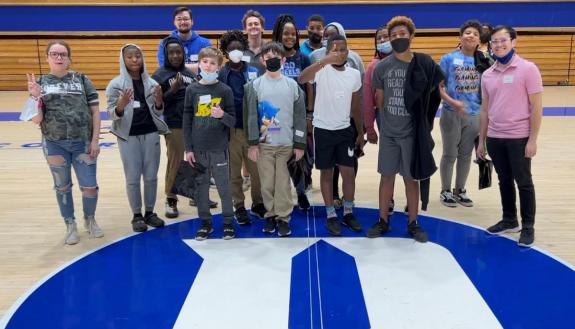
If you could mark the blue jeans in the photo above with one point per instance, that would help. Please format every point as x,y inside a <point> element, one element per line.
<point>61,157</point>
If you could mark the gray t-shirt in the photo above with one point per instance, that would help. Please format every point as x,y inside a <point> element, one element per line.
<point>389,75</point>
<point>276,99</point>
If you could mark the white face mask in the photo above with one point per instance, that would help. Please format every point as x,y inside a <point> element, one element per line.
<point>235,55</point>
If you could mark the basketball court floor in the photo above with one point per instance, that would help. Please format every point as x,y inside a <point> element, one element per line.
<point>462,278</point>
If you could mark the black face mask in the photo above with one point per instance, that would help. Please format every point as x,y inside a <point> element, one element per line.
<point>314,37</point>
<point>273,64</point>
<point>339,65</point>
<point>400,45</point>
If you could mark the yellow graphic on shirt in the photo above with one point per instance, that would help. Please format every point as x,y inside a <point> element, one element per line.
<point>204,109</point>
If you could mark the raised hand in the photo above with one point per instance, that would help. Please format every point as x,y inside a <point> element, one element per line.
<point>33,87</point>
<point>217,111</point>
<point>124,98</point>
<point>158,96</point>
<point>334,57</point>
<point>178,82</point>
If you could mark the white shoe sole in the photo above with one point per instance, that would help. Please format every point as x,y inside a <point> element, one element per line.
<point>509,230</point>
<point>449,205</point>
<point>465,204</point>
<point>525,245</point>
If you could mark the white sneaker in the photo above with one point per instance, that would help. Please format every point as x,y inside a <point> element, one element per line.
<point>94,231</point>
<point>247,183</point>
<point>447,199</point>
<point>71,234</point>
<point>461,197</point>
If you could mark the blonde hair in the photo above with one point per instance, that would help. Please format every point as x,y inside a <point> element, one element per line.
<point>210,52</point>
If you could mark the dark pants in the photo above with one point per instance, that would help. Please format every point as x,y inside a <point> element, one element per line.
<point>511,165</point>
<point>217,163</point>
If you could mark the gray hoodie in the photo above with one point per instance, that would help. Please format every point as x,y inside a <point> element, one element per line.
<point>121,124</point>
<point>353,58</point>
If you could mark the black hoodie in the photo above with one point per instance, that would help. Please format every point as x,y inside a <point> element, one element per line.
<point>165,77</point>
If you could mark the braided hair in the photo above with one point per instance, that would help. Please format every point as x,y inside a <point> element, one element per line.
<point>231,36</point>
<point>278,30</point>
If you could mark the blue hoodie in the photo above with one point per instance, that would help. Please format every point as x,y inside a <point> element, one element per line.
<point>191,46</point>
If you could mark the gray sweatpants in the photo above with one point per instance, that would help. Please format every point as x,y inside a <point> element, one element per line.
<point>458,135</point>
<point>141,157</point>
<point>218,165</point>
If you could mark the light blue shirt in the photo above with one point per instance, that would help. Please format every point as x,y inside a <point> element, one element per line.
<point>462,81</point>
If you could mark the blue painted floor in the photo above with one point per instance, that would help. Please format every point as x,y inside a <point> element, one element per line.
<point>462,278</point>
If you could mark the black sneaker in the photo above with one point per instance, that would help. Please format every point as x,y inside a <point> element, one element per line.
<point>205,230</point>
<point>447,199</point>
<point>270,225</point>
<point>378,229</point>
<point>213,204</point>
<point>333,226</point>
<point>416,232</point>
<point>229,232</point>
<point>138,224</point>
<point>350,221</point>
<point>242,216</point>
<point>172,208</point>
<point>391,208</point>
<point>303,202</point>
<point>527,237</point>
<point>283,228</point>
<point>153,220</point>
<point>461,197</point>
<point>504,226</point>
<point>259,210</point>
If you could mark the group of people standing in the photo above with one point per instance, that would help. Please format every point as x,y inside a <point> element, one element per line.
<point>272,106</point>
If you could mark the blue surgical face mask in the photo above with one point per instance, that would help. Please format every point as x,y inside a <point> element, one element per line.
<point>384,47</point>
<point>505,59</point>
<point>209,76</point>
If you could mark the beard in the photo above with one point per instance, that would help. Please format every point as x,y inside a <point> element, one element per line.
<point>184,30</point>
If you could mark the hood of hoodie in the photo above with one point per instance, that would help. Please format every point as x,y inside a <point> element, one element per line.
<point>124,70</point>
<point>177,36</point>
<point>338,26</point>
<point>172,40</point>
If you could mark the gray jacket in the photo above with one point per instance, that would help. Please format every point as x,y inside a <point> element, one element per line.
<point>121,124</point>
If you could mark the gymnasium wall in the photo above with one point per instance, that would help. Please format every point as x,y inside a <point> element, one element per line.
<point>96,32</point>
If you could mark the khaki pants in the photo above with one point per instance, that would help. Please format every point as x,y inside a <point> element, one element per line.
<point>175,153</point>
<point>275,180</point>
<point>239,155</point>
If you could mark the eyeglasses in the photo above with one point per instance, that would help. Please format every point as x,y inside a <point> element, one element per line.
<point>55,55</point>
<point>498,42</point>
<point>183,19</point>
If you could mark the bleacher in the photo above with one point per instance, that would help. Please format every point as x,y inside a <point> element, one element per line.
<point>98,57</point>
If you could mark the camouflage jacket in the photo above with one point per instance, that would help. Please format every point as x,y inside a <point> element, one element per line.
<point>66,104</point>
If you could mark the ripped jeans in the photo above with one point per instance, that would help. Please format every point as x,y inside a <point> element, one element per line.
<point>61,156</point>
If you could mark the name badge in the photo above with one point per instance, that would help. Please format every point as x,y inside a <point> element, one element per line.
<point>194,57</point>
<point>136,104</point>
<point>507,79</point>
<point>458,61</point>
<point>246,58</point>
<point>252,75</point>
<point>205,99</point>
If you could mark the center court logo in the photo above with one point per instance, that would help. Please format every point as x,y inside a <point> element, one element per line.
<point>165,279</point>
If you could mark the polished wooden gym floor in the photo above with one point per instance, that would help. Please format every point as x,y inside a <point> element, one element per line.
<point>31,234</point>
